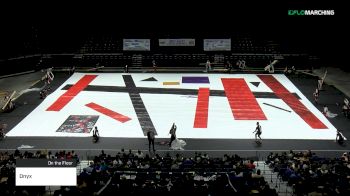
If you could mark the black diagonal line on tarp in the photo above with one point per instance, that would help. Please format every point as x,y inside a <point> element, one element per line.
<point>172,91</point>
<point>277,107</point>
<point>140,109</point>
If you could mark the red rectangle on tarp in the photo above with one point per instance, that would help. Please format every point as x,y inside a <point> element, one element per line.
<point>241,99</point>
<point>201,117</point>
<point>73,91</point>
<point>108,112</point>
<point>292,102</point>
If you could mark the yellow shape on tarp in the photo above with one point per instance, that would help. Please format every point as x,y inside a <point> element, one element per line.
<point>171,83</point>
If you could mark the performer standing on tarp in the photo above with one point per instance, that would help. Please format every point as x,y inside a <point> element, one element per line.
<point>172,132</point>
<point>257,131</point>
<point>95,135</point>
<point>150,137</point>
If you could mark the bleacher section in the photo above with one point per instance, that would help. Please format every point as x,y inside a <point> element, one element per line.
<point>136,172</point>
<point>107,51</point>
<point>101,45</point>
<point>310,174</point>
<point>18,65</point>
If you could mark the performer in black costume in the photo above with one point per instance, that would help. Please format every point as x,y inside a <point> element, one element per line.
<point>150,137</point>
<point>257,131</point>
<point>339,138</point>
<point>173,133</point>
<point>95,135</point>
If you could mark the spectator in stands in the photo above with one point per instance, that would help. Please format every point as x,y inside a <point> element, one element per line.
<point>126,69</point>
<point>150,137</point>
<point>250,164</point>
<point>139,154</point>
<point>316,94</point>
<point>346,102</point>
<point>345,157</point>
<point>346,110</point>
<point>71,70</point>
<point>154,65</point>
<point>2,132</point>
<point>207,66</point>
<point>257,174</point>
<point>266,190</point>
<point>228,66</point>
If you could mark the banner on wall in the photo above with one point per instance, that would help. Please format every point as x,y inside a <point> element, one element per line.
<point>136,44</point>
<point>177,42</point>
<point>217,44</point>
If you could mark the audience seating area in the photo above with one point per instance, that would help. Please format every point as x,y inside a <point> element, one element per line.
<point>107,51</point>
<point>311,174</point>
<point>102,45</point>
<point>139,173</point>
<point>17,65</point>
<point>135,173</point>
<point>8,166</point>
<point>247,44</point>
<point>162,60</point>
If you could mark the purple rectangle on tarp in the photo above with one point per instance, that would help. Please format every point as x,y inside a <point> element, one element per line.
<point>195,79</point>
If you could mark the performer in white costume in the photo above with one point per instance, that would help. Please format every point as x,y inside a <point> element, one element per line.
<point>271,67</point>
<point>48,77</point>
<point>327,113</point>
<point>321,80</point>
<point>175,143</point>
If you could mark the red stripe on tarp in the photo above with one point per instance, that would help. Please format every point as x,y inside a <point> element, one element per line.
<point>73,91</point>
<point>201,117</point>
<point>108,112</point>
<point>241,99</point>
<point>292,102</point>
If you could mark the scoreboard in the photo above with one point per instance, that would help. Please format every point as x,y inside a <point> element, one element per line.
<point>136,44</point>
<point>177,42</point>
<point>217,44</point>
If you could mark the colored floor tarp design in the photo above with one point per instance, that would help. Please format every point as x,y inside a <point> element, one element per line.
<point>226,108</point>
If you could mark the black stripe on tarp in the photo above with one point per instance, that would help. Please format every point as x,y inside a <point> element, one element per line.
<point>140,109</point>
<point>171,91</point>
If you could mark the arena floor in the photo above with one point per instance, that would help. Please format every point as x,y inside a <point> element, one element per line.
<point>213,113</point>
